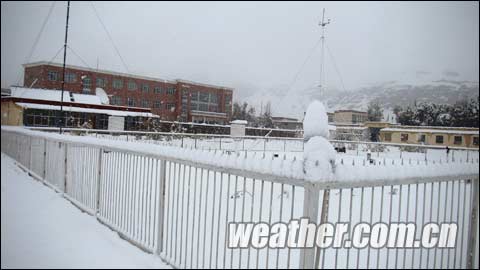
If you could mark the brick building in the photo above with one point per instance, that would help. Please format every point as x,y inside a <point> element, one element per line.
<point>179,100</point>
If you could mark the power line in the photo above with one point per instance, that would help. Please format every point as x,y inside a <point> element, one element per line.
<point>303,65</point>
<point>336,68</point>
<point>110,37</point>
<point>78,56</point>
<point>37,39</point>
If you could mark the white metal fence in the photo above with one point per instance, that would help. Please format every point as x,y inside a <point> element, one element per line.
<point>180,209</point>
<point>279,144</point>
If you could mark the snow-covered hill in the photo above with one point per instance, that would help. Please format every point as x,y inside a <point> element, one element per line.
<point>294,102</point>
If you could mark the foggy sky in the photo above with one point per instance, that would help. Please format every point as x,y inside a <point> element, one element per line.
<point>250,45</point>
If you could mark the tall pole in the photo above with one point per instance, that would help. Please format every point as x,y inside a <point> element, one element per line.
<point>322,63</point>
<point>61,122</point>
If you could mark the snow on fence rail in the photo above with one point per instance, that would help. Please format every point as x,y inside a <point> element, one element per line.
<point>275,144</point>
<point>178,207</point>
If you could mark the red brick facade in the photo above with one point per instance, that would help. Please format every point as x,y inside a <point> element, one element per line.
<point>164,97</point>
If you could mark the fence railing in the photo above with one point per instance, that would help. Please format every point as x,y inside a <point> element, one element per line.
<point>279,144</point>
<point>180,210</point>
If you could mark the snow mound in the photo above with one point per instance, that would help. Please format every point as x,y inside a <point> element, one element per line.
<point>319,158</point>
<point>316,121</point>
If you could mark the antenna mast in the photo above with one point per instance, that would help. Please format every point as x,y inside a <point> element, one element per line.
<point>62,120</point>
<point>323,24</point>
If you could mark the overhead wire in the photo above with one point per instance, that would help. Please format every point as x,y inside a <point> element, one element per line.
<point>303,65</point>
<point>37,39</point>
<point>109,37</point>
<point>335,67</point>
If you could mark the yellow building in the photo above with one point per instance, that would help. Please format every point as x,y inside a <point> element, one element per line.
<point>350,116</point>
<point>440,136</point>
<point>12,114</point>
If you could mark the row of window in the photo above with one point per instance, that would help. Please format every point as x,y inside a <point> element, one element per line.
<point>116,83</point>
<point>131,102</point>
<point>439,139</point>
<point>202,101</point>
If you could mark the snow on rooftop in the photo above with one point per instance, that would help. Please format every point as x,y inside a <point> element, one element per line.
<point>87,99</point>
<point>54,95</point>
<point>40,94</point>
<point>239,122</point>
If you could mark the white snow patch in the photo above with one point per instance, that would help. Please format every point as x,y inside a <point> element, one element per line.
<point>41,229</point>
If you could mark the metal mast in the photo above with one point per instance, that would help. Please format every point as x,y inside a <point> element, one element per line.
<point>323,24</point>
<point>61,119</point>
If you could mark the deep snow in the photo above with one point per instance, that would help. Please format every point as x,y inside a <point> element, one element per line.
<point>40,229</point>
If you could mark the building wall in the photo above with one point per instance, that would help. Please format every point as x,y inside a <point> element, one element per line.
<point>350,117</point>
<point>167,105</point>
<point>12,114</point>
<point>430,138</point>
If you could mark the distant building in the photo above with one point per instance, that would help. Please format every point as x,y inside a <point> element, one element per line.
<point>441,136</point>
<point>177,100</point>
<point>287,123</point>
<point>41,108</point>
<point>331,117</point>
<point>350,117</point>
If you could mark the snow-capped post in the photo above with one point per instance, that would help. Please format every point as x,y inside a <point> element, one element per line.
<point>318,165</point>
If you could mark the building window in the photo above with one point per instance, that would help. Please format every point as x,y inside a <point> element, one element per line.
<point>145,88</point>
<point>132,85</point>
<point>457,140</point>
<point>404,137</point>
<point>475,141</point>
<point>157,90</point>
<point>86,84</point>
<point>157,104</point>
<point>213,98</point>
<point>170,91</point>
<point>388,137</point>
<point>422,138</point>
<point>101,82</point>
<point>53,76</point>
<point>70,77</point>
<point>171,106</point>
<point>439,139</point>
<point>117,83</point>
<point>116,100</point>
<point>145,103</point>
<point>131,102</point>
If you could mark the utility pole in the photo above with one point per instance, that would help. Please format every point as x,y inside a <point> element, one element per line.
<point>61,120</point>
<point>323,24</point>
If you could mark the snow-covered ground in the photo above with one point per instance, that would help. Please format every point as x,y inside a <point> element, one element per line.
<point>40,229</point>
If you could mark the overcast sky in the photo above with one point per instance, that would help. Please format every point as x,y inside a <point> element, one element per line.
<point>250,45</point>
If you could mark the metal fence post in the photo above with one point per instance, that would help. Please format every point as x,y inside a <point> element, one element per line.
<point>161,205</point>
<point>65,169</point>
<point>472,226</point>
<point>99,177</point>
<point>44,159</point>
<point>310,211</point>
<point>30,159</point>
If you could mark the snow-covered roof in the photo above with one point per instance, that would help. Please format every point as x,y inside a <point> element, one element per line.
<point>53,95</point>
<point>445,131</point>
<point>40,94</point>
<point>86,110</point>
<point>239,122</point>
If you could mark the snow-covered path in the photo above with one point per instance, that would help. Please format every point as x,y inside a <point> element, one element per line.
<point>40,229</point>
